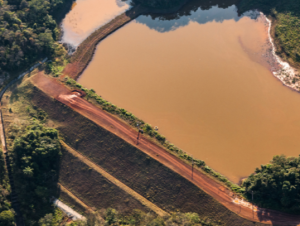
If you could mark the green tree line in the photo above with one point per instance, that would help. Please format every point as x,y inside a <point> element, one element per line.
<point>106,217</point>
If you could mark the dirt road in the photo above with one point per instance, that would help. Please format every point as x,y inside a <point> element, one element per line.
<point>121,129</point>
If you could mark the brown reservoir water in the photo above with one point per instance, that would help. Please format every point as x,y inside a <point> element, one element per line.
<point>203,80</point>
<point>88,15</point>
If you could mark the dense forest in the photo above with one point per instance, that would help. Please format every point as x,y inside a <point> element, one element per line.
<point>28,32</point>
<point>36,154</point>
<point>277,184</point>
<point>6,214</point>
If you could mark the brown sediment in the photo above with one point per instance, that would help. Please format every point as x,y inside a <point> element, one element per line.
<point>207,184</point>
<point>85,50</point>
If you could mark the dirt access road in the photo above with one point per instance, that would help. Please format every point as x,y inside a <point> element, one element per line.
<point>121,129</point>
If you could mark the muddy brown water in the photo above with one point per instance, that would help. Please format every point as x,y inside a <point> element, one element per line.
<point>203,80</point>
<point>88,15</point>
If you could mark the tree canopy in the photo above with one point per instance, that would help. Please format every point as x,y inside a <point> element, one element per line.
<point>6,216</point>
<point>28,32</point>
<point>36,154</point>
<point>277,184</point>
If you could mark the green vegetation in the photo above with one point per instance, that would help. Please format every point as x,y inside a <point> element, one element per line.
<point>6,214</point>
<point>286,15</point>
<point>58,218</point>
<point>276,185</point>
<point>28,32</point>
<point>7,218</point>
<point>139,218</point>
<point>35,154</point>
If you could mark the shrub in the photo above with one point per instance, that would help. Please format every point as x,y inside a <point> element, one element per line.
<point>7,218</point>
<point>160,138</point>
<point>207,169</point>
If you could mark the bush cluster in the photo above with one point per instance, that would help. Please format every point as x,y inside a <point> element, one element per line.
<point>277,184</point>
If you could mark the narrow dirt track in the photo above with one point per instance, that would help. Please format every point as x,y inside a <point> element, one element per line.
<point>111,123</point>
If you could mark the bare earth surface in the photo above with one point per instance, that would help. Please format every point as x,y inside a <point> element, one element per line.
<point>221,194</point>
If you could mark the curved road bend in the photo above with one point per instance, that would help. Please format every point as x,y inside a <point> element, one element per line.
<point>116,126</point>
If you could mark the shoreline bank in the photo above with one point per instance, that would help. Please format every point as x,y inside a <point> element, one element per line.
<point>287,74</point>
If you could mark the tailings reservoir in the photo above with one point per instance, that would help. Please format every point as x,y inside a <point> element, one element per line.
<point>202,77</point>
